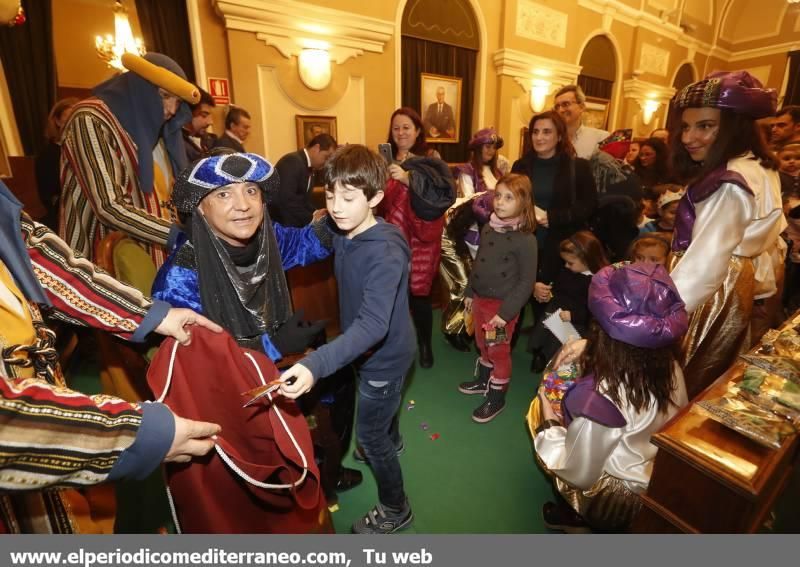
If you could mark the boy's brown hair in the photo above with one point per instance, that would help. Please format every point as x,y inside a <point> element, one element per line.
<point>357,166</point>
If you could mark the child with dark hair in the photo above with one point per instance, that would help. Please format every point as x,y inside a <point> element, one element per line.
<point>583,256</point>
<point>726,241</point>
<point>372,268</point>
<point>789,165</point>
<point>667,212</point>
<point>599,454</point>
<point>499,287</point>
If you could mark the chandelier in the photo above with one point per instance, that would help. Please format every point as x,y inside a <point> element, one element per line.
<point>110,49</point>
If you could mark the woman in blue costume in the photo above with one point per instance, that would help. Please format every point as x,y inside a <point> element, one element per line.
<point>230,265</point>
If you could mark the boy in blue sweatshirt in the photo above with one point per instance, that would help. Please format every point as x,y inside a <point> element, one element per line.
<point>371,264</point>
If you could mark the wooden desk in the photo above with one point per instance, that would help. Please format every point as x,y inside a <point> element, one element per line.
<point>708,478</point>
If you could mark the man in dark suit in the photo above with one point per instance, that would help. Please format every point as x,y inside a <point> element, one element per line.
<point>439,121</point>
<point>195,138</point>
<point>292,205</point>
<point>237,129</point>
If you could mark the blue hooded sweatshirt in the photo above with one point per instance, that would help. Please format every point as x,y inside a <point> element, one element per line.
<point>372,275</point>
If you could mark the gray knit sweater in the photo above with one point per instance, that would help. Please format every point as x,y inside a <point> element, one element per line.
<point>505,268</point>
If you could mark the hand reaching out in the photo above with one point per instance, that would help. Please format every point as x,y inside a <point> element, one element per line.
<point>303,381</point>
<point>176,322</point>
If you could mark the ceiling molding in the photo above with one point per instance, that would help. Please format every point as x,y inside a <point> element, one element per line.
<point>292,26</point>
<point>723,33</point>
<point>524,68</point>
<point>764,51</point>
<point>636,18</point>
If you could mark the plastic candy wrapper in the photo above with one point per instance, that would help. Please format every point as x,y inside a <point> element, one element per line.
<point>767,343</point>
<point>494,335</point>
<point>782,366</point>
<point>556,382</point>
<point>750,420</point>
<point>787,344</point>
<point>771,392</point>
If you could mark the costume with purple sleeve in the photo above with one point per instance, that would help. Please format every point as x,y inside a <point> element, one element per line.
<point>601,458</point>
<point>727,246</point>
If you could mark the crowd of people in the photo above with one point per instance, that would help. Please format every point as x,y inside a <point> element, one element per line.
<point>666,254</point>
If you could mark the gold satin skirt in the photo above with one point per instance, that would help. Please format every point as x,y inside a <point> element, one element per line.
<point>454,270</point>
<point>607,506</point>
<point>719,329</point>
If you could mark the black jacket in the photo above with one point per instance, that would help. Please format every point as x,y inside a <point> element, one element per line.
<point>292,205</point>
<point>574,202</point>
<point>226,141</point>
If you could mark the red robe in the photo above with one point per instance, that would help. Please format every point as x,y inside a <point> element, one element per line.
<point>208,379</point>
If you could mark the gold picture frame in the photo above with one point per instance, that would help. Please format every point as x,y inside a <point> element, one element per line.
<point>595,112</point>
<point>309,125</point>
<point>440,118</point>
<point>5,166</point>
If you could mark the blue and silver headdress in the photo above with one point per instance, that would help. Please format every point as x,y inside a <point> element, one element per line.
<point>210,173</point>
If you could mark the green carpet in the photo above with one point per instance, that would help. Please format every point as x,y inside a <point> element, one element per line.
<point>475,478</point>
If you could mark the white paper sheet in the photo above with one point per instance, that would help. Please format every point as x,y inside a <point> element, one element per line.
<point>563,330</point>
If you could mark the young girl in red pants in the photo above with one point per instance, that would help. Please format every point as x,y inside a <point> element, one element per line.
<point>499,286</point>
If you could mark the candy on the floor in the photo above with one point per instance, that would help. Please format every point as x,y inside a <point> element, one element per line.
<point>435,436</point>
<point>424,426</point>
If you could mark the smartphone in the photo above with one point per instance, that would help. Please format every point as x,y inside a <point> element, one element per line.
<point>386,153</point>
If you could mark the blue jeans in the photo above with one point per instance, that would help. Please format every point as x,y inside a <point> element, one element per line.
<point>378,433</point>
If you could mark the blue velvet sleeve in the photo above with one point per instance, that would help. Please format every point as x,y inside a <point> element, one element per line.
<point>299,246</point>
<point>177,286</point>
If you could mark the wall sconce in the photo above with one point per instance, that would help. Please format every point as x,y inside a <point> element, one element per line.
<point>649,108</point>
<point>539,91</point>
<point>315,68</point>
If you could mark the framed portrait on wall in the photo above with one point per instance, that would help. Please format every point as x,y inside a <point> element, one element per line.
<point>595,114</point>
<point>441,108</point>
<point>309,126</point>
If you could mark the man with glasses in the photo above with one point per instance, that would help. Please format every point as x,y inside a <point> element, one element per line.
<point>570,103</point>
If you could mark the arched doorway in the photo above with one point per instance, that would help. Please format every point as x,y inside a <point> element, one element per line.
<point>598,74</point>
<point>683,77</point>
<point>448,51</point>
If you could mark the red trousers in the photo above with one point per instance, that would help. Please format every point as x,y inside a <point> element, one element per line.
<point>496,355</point>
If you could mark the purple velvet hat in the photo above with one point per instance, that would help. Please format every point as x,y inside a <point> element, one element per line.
<point>638,304</point>
<point>485,136</point>
<point>738,91</point>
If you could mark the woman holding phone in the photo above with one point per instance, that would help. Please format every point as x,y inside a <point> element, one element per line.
<point>419,191</point>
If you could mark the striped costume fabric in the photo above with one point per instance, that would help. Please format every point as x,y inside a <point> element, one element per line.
<point>81,293</point>
<point>100,187</point>
<point>84,295</point>
<point>51,435</point>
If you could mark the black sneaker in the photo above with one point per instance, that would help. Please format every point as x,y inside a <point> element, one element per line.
<point>381,520</point>
<point>358,452</point>
<point>491,408</point>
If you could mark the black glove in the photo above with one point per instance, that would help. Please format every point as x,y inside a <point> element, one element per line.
<point>296,335</point>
